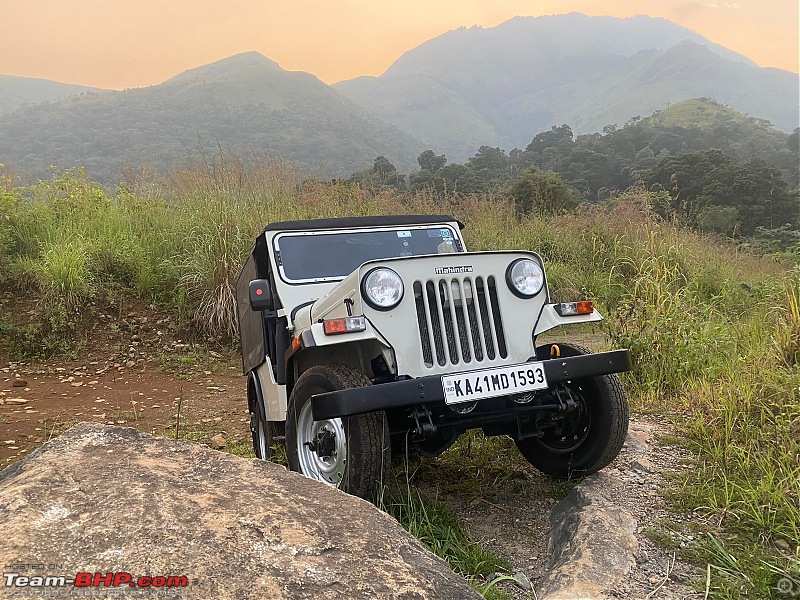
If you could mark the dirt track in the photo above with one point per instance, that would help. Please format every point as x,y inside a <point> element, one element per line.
<point>209,400</point>
<point>165,387</point>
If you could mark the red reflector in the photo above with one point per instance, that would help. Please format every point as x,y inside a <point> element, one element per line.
<point>332,326</point>
<point>259,292</point>
<point>585,308</point>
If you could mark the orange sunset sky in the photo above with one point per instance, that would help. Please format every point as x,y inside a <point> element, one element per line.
<point>124,43</point>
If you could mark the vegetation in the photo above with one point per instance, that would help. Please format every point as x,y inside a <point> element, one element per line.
<point>441,531</point>
<point>245,103</point>
<point>715,331</point>
<point>720,172</point>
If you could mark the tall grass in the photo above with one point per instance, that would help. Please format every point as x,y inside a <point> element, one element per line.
<point>441,531</point>
<point>715,333</point>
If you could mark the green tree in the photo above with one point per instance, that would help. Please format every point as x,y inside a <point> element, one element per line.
<point>490,161</point>
<point>429,161</point>
<point>711,192</point>
<point>543,193</point>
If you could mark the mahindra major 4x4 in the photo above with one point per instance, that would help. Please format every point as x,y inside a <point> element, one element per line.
<point>367,336</point>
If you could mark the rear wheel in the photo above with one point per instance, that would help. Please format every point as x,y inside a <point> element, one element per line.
<point>588,438</point>
<point>351,453</point>
<point>265,434</point>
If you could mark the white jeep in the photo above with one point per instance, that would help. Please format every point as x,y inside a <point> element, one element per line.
<point>367,336</point>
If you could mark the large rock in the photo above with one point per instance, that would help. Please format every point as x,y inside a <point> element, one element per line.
<point>110,499</point>
<point>591,544</point>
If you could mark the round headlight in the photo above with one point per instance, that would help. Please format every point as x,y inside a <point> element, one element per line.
<point>525,277</point>
<point>382,288</point>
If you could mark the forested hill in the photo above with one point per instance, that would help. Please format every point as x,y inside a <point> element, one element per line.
<point>245,103</point>
<point>16,92</point>
<point>707,165</point>
<point>507,83</point>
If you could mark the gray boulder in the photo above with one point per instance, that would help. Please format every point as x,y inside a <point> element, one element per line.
<point>591,544</point>
<point>101,499</point>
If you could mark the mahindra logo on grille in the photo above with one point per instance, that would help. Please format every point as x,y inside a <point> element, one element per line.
<point>452,270</point>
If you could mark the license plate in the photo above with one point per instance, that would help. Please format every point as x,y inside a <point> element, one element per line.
<point>489,383</point>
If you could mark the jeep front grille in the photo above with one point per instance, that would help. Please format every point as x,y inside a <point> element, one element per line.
<point>459,320</point>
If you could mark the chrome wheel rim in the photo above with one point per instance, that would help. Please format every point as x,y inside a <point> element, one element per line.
<point>261,439</point>
<point>328,468</point>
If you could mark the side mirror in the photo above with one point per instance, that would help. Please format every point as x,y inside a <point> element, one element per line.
<point>260,295</point>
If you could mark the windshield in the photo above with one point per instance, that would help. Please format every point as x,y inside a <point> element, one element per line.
<point>306,257</point>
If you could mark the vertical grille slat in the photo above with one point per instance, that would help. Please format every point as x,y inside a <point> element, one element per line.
<point>496,322</point>
<point>459,321</point>
<point>491,319</point>
<point>437,322</point>
<point>485,323</point>
<point>424,323</point>
<point>463,322</point>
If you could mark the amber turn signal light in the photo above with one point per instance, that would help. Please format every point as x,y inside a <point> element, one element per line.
<point>570,309</point>
<point>344,325</point>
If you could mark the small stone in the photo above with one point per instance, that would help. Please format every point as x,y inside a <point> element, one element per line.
<point>130,363</point>
<point>94,382</point>
<point>136,338</point>
<point>218,442</point>
<point>521,580</point>
<point>642,464</point>
<point>783,545</point>
<point>16,401</point>
<point>76,383</point>
<point>20,383</point>
<point>10,442</point>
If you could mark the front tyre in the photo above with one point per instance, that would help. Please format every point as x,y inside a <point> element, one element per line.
<point>351,453</point>
<point>588,438</point>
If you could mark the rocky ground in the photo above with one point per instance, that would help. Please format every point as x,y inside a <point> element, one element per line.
<point>515,525</point>
<point>145,376</point>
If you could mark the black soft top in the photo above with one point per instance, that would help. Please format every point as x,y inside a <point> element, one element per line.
<point>347,222</point>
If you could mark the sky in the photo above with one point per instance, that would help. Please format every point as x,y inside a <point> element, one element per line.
<point>122,44</point>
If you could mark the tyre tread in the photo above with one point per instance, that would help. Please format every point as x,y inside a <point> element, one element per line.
<point>368,433</point>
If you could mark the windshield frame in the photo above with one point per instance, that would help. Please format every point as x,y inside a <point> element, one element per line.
<point>278,254</point>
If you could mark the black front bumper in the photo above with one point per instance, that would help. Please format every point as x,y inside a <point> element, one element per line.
<point>428,390</point>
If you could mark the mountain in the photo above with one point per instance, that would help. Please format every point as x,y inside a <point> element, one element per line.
<point>650,81</point>
<point>527,74</point>
<point>16,92</point>
<point>246,103</point>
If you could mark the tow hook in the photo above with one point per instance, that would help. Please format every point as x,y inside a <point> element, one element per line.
<point>566,402</point>
<point>423,428</point>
